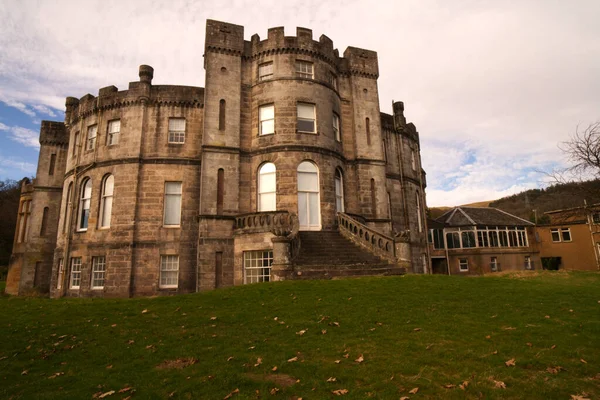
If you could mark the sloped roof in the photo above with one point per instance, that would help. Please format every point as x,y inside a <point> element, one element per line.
<point>469,216</point>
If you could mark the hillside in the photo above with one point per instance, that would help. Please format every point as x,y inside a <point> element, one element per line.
<point>362,338</point>
<point>554,197</point>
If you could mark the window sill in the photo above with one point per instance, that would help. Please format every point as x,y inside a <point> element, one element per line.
<point>175,143</point>
<point>172,226</point>
<point>98,288</point>
<point>168,287</point>
<point>81,231</point>
<point>307,132</point>
<point>266,134</point>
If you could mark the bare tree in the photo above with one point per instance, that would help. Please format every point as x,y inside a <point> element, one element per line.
<point>583,152</point>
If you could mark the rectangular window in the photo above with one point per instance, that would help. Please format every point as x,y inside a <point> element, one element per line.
<point>528,263</point>
<point>169,271</point>
<point>333,80</point>
<point>75,273</point>
<point>172,213</point>
<point>482,238</point>
<point>468,239</point>
<point>555,235</point>
<point>266,115</point>
<point>306,118</point>
<point>596,218</point>
<point>52,164</point>
<point>565,234</point>
<point>176,130</point>
<point>98,272</point>
<point>503,239</point>
<point>75,144</point>
<point>494,264</point>
<point>257,266</point>
<point>336,127</point>
<point>91,137</point>
<point>265,71</point>
<point>61,271</point>
<point>114,128</point>
<point>493,238</point>
<point>463,264</point>
<point>453,240</point>
<point>304,69</point>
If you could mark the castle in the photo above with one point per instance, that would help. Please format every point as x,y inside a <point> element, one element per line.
<point>281,167</point>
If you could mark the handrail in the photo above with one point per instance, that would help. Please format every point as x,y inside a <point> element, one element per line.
<point>382,245</point>
<point>280,223</point>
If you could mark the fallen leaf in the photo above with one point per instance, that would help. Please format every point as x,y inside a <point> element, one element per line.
<point>577,397</point>
<point>130,341</point>
<point>583,361</point>
<point>103,395</point>
<point>554,370</point>
<point>113,325</point>
<point>231,394</point>
<point>293,359</point>
<point>335,323</point>
<point>547,316</point>
<point>56,374</point>
<point>125,389</point>
<point>258,362</point>
<point>230,358</point>
<point>416,329</point>
<point>331,379</point>
<point>339,392</point>
<point>414,391</point>
<point>499,385</point>
<point>488,337</point>
<point>404,398</point>
<point>337,361</point>
<point>251,347</point>
<point>529,344</point>
<point>553,347</point>
<point>25,372</point>
<point>275,319</point>
<point>144,311</point>
<point>213,318</point>
<point>360,359</point>
<point>109,366</point>
<point>274,390</point>
<point>274,369</point>
<point>449,386</point>
<point>324,331</point>
<point>495,352</point>
<point>346,355</point>
<point>510,363</point>
<point>509,328</point>
<point>372,329</point>
<point>302,332</point>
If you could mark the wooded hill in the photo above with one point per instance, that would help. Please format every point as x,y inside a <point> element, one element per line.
<point>554,197</point>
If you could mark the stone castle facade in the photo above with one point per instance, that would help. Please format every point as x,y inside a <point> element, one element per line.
<point>164,189</point>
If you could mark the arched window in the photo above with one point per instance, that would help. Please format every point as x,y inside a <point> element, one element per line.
<point>220,190</point>
<point>84,205</point>
<point>68,206</point>
<point>308,196</point>
<point>368,128</point>
<point>106,201</point>
<point>339,190</point>
<point>222,115</point>
<point>267,187</point>
<point>373,199</point>
<point>44,227</point>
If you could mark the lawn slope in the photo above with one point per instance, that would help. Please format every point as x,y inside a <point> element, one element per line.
<point>303,339</point>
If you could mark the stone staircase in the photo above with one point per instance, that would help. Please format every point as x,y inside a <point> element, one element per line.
<point>327,254</point>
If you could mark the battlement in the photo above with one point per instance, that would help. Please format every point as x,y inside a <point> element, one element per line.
<point>52,132</point>
<point>228,38</point>
<point>111,96</point>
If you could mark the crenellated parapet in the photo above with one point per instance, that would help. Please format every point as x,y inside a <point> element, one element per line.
<point>53,133</point>
<point>226,38</point>
<point>142,91</point>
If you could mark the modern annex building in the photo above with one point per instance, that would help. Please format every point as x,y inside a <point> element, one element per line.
<point>282,167</point>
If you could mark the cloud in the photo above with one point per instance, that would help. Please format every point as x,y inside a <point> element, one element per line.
<point>27,167</point>
<point>24,136</point>
<point>44,110</point>
<point>3,127</point>
<point>19,106</point>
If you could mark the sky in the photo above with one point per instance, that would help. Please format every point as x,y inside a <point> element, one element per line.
<point>492,86</point>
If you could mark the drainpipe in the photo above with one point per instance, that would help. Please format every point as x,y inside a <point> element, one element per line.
<point>589,222</point>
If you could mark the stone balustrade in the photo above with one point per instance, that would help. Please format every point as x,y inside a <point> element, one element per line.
<point>280,223</point>
<point>382,245</point>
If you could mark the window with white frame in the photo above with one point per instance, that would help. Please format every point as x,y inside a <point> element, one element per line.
<point>106,201</point>
<point>98,272</point>
<point>267,187</point>
<point>84,205</point>
<point>463,264</point>
<point>177,130</point>
<point>565,234</point>
<point>555,235</point>
<point>304,69</point>
<point>494,264</point>
<point>336,127</point>
<point>172,212</point>
<point>61,271</point>
<point>91,137</point>
<point>75,273</point>
<point>257,266</point>
<point>339,191</point>
<point>169,271</point>
<point>265,71</point>
<point>306,118</point>
<point>114,128</point>
<point>528,263</point>
<point>333,80</point>
<point>266,116</point>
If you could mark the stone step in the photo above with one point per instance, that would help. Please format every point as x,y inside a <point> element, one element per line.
<point>329,272</point>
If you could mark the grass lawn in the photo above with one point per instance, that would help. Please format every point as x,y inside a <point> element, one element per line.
<point>302,339</point>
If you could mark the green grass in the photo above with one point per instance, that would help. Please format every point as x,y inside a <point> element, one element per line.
<point>413,332</point>
<point>2,286</point>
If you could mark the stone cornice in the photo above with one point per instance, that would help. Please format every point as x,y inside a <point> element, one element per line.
<point>292,50</point>
<point>221,50</point>
<point>137,160</point>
